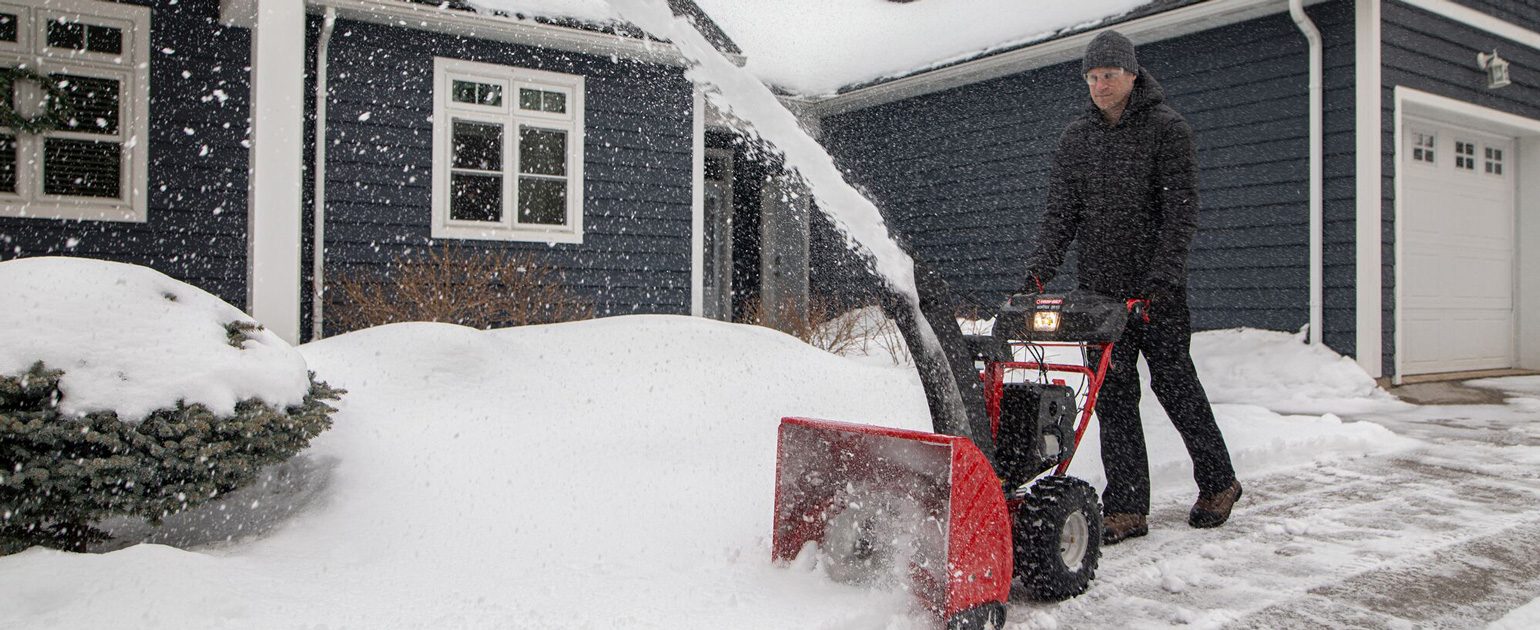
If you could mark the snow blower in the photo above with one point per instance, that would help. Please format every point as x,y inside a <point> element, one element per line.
<point>939,514</point>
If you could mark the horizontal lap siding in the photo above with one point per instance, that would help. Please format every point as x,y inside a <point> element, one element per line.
<point>196,206</point>
<point>635,254</point>
<point>1433,54</point>
<point>963,173</point>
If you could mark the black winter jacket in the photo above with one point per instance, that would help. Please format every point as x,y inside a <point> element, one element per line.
<point>1130,194</point>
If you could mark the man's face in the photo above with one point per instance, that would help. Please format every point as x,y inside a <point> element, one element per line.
<point>1109,87</point>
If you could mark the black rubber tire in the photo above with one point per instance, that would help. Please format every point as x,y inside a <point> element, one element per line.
<point>989,616</point>
<point>1039,536</point>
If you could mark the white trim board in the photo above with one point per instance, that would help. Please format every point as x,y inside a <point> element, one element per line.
<point>1416,103</point>
<point>1476,19</point>
<point>276,157</point>
<point>1368,346</point>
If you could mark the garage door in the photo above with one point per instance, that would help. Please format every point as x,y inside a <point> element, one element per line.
<point>1457,237</point>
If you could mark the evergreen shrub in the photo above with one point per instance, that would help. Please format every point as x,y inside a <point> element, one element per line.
<point>60,475</point>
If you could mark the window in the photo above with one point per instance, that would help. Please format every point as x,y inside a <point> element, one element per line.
<point>92,56</point>
<point>1423,145</point>
<point>1494,160</point>
<point>1465,155</point>
<point>507,153</point>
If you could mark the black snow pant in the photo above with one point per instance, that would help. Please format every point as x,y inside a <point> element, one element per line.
<point>1165,342</point>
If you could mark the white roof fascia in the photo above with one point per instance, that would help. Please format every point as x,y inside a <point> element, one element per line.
<point>1160,26</point>
<point>1477,19</point>
<point>485,26</point>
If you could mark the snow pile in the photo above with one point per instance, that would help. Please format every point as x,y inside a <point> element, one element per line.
<point>1280,371</point>
<point>132,340</point>
<point>610,472</point>
<point>596,11</point>
<point>816,47</point>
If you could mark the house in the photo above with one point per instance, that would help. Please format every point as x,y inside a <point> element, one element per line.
<point>1415,250</point>
<point>192,148</point>
<point>1361,159</point>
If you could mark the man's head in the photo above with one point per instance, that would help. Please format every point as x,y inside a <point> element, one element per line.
<point>1110,68</point>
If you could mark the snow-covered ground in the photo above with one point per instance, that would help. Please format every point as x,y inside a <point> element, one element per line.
<point>619,473</point>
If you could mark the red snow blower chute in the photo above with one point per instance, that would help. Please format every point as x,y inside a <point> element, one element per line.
<point>953,515</point>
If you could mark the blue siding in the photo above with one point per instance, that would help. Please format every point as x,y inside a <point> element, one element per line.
<point>635,257</point>
<point>196,227</point>
<point>963,173</point>
<point>1433,54</point>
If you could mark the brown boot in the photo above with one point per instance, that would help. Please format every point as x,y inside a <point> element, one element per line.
<point>1214,510</point>
<point>1120,525</point>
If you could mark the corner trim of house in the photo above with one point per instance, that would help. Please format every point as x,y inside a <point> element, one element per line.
<point>1526,131</point>
<point>1369,267</point>
<point>1158,27</point>
<point>698,204</point>
<point>273,213</point>
<point>1476,19</point>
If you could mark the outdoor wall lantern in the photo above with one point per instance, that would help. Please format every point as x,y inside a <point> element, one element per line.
<point>1496,67</point>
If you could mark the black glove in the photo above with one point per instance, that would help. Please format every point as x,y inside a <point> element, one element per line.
<point>1031,285</point>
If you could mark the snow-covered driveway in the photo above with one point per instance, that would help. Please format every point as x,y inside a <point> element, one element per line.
<point>1444,535</point>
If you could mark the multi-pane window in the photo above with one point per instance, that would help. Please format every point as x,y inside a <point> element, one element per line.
<point>1494,161</point>
<point>1423,147</point>
<point>508,153</point>
<point>1465,155</point>
<point>84,72</point>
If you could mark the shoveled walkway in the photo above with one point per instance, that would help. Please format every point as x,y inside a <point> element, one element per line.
<point>1446,535</point>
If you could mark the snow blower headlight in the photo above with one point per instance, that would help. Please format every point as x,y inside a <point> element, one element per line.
<point>1045,321</point>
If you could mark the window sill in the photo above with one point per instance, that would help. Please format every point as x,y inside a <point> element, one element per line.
<point>504,234</point>
<point>57,211</point>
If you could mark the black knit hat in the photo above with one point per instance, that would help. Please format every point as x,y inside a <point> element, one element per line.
<point>1110,50</point>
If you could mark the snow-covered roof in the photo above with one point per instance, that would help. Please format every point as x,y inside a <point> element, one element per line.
<point>822,47</point>
<point>588,15</point>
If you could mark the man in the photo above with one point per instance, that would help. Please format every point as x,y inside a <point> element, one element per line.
<point>1124,183</point>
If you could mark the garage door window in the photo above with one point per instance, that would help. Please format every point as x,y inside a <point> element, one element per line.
<point>1494,161</point>
<point>1465,155</point>
<point>1423,147</point>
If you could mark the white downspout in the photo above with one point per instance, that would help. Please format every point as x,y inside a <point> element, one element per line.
<point>318,281</point>
<point>1313,36</point>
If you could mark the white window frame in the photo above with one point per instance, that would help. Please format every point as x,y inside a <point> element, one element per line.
<point>131,68</point>
<point>508,114</point>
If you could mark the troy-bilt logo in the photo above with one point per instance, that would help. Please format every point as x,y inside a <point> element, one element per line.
<point>1050,304</point>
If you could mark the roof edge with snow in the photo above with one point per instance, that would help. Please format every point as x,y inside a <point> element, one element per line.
<point>1158,21</point>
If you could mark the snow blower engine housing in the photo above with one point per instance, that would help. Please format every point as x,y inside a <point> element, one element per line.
<point>1034,421</point>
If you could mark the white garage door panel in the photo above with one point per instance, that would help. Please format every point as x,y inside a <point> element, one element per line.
<point>1457,275</point>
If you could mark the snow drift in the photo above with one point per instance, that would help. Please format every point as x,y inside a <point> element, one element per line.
<point>615,472</point>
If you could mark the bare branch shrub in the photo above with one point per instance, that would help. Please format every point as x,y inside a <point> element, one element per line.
<point>476,288</point>
<point>822,326</point>
<point>817,326</point>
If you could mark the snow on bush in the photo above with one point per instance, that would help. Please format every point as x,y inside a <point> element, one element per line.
<point>131,340</point>
<point>124,392</point>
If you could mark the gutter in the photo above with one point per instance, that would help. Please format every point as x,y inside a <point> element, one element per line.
<point>1313,36</point>
<point>318,279</point>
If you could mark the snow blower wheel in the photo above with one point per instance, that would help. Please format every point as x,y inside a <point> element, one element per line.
<point>1058,537</point>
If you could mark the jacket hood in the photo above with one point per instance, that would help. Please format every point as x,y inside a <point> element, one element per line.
<point>1147,94</point>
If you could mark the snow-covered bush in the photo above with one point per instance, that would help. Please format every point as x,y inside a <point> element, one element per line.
<point>124,392</point>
